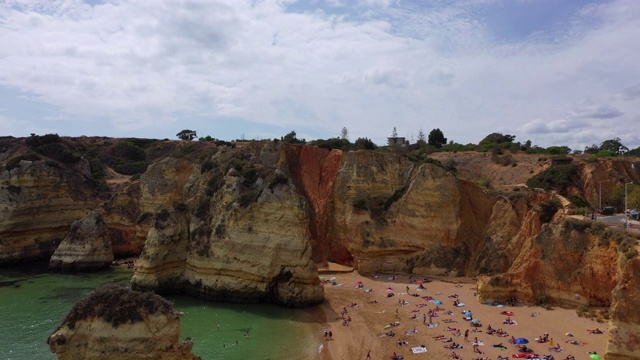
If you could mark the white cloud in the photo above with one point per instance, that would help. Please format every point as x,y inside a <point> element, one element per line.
<point>139,66</point>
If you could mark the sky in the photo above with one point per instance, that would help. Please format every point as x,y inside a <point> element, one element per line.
<point>556,72</point>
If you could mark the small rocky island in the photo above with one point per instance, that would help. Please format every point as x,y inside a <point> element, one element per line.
<point>116,322</point>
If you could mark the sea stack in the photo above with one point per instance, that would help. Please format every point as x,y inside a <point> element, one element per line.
<point>116,322</point>
<point>87,247</point>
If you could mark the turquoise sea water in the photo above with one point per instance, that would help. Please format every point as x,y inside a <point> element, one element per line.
<point>34,301</point>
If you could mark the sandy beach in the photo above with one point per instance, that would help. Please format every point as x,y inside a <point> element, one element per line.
<point>370,321</point>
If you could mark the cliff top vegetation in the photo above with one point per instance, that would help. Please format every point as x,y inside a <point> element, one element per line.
<point>117,305</point>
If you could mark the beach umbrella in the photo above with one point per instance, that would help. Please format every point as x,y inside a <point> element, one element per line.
<point>419,281</point>
<point>569,334</point>
<point>595,356</point>
<point>333,279</point>
<point>521,341</point>
<point>359,282</point>
<point>476,321</point>
<point>321,277</point>
<point>500,306</point>
<point>437,302</point>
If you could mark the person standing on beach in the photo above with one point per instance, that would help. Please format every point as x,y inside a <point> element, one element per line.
<point>424,319</point>
<point>330,335</point>
<point>369,355</point>
<point>396,313</point>
<point>466,335</point>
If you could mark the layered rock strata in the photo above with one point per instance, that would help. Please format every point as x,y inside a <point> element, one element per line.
<point>116,323</point>
<point>87,247</point>
<point>38,204</point>
<point>562,260</point>
<point>245,238</point>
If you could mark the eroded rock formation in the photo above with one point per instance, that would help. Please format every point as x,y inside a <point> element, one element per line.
<point>246,239</point>
<point>249,221</point>
<point>116,323</point>
<point>87,247</point>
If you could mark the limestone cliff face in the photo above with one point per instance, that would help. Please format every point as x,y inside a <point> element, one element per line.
<point>394,215</point>
<point>38,204</point>
<point>116,323</point>
<point>562,260</point>
<point>259,253</point>
<point>243,238</point>
<point>87,246</point>
<point>624,338</point>
<point>127,223</point>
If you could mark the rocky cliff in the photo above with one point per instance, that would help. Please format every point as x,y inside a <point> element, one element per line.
<point>249,221</point>
<point>39,203</point>
<point>117,323</point>
<point>242,232</point>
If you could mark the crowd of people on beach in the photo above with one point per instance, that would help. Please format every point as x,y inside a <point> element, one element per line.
<point>430,308</point>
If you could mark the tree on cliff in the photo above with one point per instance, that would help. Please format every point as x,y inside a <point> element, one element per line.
<point>365,143</point>
<point>437,139</point>
<point>292,139</point>
<point>633,197</point>
<point>422,139</point>
<point>614,145</point>
<point>344,134</point>
<point>187,135</point>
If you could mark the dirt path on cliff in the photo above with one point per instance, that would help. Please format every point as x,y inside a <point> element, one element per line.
<point>365,332</point>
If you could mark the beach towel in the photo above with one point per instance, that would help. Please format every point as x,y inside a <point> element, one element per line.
<point>460,304</point>
<point>419,350</point>
<point>432,325</point>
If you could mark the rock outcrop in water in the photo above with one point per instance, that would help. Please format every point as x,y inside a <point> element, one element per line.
<point>116,323</point>
<point>87,247</point>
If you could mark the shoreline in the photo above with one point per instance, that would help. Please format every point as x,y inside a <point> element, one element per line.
<point>370,321</point>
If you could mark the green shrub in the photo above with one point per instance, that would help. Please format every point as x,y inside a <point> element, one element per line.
<point>15,162</point>
<point>554,178</point>
<point>577,201</point>
<point>202,209</point>
<point>129,151</point>
<point>393,198</point>
<point>215,183</point>
<point>279,179</point>
<point>548,209</point>
<point>118,305</point>
<point>187,149</point>
<point>37,140</point>
<point>333,143</point>
<point>592,159</point>
<point>58,151</point>
<point>248,198</point>
<point>206,165</point>
<point>597,228</point>
<point>360,203</point>
<point>484,182</point>
<point>571,224</point>
<point>132,168</point>
<point>249,175</point>
<point>583,211</point>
